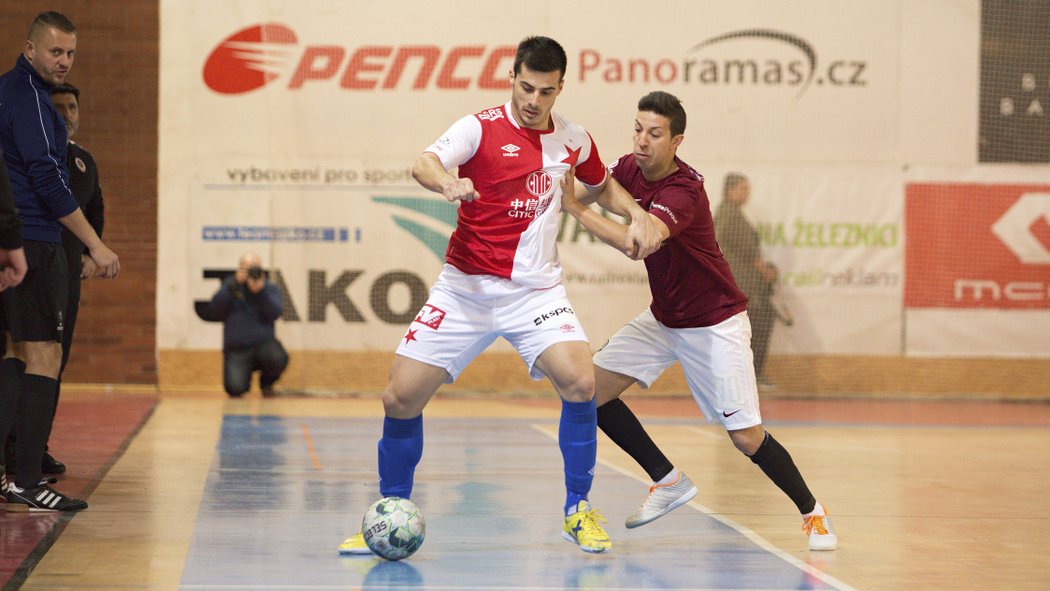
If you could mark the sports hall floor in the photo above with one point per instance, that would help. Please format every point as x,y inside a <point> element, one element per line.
<point>194,492</point>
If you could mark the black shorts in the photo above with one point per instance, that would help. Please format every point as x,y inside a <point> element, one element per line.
<point>35,310</point>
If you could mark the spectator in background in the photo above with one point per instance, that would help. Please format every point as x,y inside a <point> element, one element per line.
<point>33,139</point>
<point>756,277</point>
<point>248,304</point>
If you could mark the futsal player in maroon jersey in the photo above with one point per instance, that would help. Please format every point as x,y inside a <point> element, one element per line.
<point>698,317</point>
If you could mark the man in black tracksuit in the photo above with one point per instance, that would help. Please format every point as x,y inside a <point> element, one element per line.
<point>33,138</point>
<point>83,180</point>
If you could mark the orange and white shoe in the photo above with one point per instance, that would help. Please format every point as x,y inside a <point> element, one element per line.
<point>820,531</point>
<point>662,499</point>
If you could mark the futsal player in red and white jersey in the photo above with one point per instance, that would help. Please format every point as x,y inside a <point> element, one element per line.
<point>698,317</point>
<point>502,277</point>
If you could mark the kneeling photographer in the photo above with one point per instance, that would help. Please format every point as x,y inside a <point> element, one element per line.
<point>248,304</point>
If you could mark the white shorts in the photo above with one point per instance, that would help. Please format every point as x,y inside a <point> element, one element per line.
<point>466,313</point>
<point>717,361</point>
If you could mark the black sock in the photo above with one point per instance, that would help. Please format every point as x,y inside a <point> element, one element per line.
<point>33,424</point>
<point>54,411</point>
<point>776,462</point>
<point>11,370</point>
<point>619,423</point>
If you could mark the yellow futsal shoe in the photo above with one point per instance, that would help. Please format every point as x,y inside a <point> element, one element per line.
<point>584,529</point>
<point>354,545</point>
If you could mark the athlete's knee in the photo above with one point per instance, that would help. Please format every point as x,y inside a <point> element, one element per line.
<point>578,388</point>
<point>405,398</point>
<point>608,385</point>
<point>400,404</point>
<point>748,440</point>
<point>601,398</point>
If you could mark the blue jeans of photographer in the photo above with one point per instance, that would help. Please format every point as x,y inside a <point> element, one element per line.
<point>268,357</point>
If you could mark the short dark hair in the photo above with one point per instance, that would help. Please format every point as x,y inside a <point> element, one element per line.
<point>51,19</point>
<point>66,88</point>
<point>541,54</point>
<point>732,180</point>
<point>666,104</point>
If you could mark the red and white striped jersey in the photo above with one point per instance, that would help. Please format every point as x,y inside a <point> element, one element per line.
<point>510,230</point>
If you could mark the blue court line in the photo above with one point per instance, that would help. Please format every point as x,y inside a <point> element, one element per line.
<point>271,517</point>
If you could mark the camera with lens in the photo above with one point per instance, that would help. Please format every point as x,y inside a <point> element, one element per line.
<point>255,272</point>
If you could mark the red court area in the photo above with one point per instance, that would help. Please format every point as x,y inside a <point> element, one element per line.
<point>90,432</point>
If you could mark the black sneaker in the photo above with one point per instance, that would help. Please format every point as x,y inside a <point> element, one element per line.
<point>50,465</point>
<point>40,498</point>
<point>3,484</point>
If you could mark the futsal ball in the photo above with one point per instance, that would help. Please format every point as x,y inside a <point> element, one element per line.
<point>393,528</point>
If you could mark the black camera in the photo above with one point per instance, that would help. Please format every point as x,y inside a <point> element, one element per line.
<point>255,272</point>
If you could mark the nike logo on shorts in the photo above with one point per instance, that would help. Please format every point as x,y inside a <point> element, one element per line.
<point>729,414</point>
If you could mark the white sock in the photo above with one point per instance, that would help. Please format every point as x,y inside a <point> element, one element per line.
<point>818,509</point>
<point>670,478</point>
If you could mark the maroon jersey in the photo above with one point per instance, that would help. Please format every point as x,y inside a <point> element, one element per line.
<point>690,280</point>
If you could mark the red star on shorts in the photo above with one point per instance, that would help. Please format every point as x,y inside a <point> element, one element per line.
<point>410,336</point>
<point>573,156</point>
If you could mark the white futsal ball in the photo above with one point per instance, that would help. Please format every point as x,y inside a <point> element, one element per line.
<point>393,528</point>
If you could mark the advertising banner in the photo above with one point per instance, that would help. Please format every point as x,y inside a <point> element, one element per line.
<point>978,268</point>
<point>835,236</point>
<point>289,129</point>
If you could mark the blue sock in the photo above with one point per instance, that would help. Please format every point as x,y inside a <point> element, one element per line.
<point>400,449</point>
<point>578,440</point>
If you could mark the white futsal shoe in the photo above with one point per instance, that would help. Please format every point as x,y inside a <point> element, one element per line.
<point>662,499</point>
<point>820,531</point>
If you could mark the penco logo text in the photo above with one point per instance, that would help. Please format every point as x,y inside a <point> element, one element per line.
<point>271,54</point>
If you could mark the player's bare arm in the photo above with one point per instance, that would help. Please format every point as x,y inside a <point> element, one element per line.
<point>642,230</point>
<point>429,172</point>
<point>13,267</point>
<point>106,259</point>
<point>608,231</point>
<point>643,236</point>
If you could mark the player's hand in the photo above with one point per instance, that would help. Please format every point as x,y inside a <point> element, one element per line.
<point>106,260</point>
<point>569,202</point>
<point>88,268</point>
<point>643,237</point>
<point>460,189</point>
<point>14,267</point>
